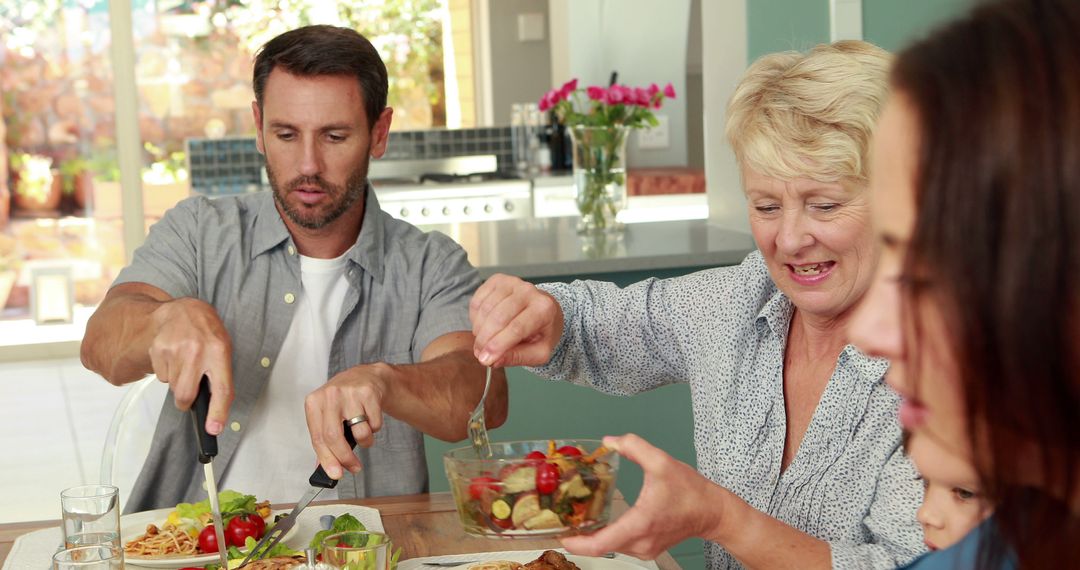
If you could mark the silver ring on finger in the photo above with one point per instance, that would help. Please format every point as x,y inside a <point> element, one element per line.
<point>356,420</point>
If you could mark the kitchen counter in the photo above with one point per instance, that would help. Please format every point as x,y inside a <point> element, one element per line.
<point>534,248</point>
<point>538,248</point>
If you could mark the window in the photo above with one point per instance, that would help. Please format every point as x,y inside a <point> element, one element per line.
<point>192,66</point>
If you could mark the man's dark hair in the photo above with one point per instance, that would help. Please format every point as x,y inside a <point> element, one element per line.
<point>313,51</point>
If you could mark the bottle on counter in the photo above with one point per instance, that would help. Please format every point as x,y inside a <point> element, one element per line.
<point>557,140</point>
<point>543,158</point>
<point>534,126</point>
<point>519,137</point>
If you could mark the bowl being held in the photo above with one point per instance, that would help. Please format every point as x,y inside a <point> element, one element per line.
<point>533,488</point>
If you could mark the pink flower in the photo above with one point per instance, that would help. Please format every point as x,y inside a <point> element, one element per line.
<point>568,88</point>
<point>548,100</point>
<point>615,95</point>
<point>641,97</point>
<point>575,111</point>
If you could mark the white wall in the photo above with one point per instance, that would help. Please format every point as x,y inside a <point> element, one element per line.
<point>643,40</point>
<point>519,70</point>
<point>724,54</point>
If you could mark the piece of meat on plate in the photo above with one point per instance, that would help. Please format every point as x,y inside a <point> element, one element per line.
<point>277,563</point>
<point>551,560</point>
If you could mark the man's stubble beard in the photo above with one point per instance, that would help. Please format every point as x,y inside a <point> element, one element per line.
<point>347,196</point>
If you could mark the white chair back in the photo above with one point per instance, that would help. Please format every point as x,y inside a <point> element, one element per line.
<point>127,443</point>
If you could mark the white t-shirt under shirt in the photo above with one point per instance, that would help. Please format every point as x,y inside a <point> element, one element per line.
<point>265,463</point>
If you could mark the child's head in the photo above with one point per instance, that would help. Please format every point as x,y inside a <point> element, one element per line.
<point>953,504</point>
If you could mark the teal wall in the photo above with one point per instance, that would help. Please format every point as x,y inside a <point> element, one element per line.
<point>778,25</point>
<point>541,409</point>
<point>892,24</point>
<point>781,25</point>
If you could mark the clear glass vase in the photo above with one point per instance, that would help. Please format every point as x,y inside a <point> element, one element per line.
<point>600,176</point>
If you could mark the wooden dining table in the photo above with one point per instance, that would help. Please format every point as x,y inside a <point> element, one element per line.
<point>421,525</point>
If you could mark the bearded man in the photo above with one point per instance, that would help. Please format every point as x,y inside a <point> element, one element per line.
<point>305,306</point>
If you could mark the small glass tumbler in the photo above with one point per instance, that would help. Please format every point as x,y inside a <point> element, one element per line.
<point>91,517</point>
<point>97,557</point>
<point>357,550</point>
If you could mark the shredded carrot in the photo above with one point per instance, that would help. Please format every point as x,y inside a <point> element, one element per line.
<point>594,455</point>
<point>551,448</point>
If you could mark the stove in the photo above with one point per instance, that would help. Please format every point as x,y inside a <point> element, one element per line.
<point>444,191</point>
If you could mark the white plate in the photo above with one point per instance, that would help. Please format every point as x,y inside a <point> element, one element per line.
<point>620,562</point>
<point>134,525</point>
<point>33,550</point>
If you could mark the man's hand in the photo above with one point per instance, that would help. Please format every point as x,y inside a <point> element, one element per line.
<point>515,324</point>
<point>355,391</point>
<point>139,329</point>
<point>676,503</point>
<point>190,340</point>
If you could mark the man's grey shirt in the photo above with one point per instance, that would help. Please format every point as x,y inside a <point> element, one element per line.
<point>406,288</point>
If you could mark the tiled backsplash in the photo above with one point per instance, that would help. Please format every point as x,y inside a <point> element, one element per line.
<point>443,143</point>
<point>234,165</point>
<point>224,166</point>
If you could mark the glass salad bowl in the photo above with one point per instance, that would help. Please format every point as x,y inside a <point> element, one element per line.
<point>528,489</point>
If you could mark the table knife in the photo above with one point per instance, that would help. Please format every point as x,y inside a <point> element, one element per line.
<point>207,449</point>
<point>319,480</point>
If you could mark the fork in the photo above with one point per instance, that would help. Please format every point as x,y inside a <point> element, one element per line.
<point>477,428</point>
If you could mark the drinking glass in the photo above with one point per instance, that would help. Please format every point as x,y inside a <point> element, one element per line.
<point>91,515</point>
<point>357,550</point>
<point>97,557</point>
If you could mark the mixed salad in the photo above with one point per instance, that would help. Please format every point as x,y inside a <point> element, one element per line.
<point>562,489</point>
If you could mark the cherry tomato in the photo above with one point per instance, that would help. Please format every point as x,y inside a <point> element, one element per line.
<point>569,451</point>
<point>547,478</point>
<point>478,484</point>
<point>192,568</point>
<point>208,539</point>
<point>243,526</point>
<point>536,456</point>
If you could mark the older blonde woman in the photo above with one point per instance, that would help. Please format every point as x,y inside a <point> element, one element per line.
<point>798,447</point>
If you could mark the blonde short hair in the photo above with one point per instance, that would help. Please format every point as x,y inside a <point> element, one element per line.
<point>810,115</point>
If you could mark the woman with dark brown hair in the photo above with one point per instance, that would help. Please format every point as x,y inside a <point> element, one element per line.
<point>976,182</point>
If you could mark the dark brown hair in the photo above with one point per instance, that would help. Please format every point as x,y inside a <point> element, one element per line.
<point>997,101</point>
<point>312,51</point>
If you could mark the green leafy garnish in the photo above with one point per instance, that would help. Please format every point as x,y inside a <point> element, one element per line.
<point>231,502</point>
<point>235,555</point>
<point>345,522</point>
<point>279,549</point>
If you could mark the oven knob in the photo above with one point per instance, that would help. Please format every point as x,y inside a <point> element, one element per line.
<point>509,206</point>
<point>467,210</point>
<point>424,211</point>
<point>404,212</point>
<point>488,208</point>
<point>446,210</point>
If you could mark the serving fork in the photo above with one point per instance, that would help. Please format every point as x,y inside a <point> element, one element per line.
<point>477,428</point>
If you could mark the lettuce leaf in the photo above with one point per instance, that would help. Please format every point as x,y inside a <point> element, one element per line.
<point>279,549</point>
<point>343,523</point>
<point>231,502</point>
